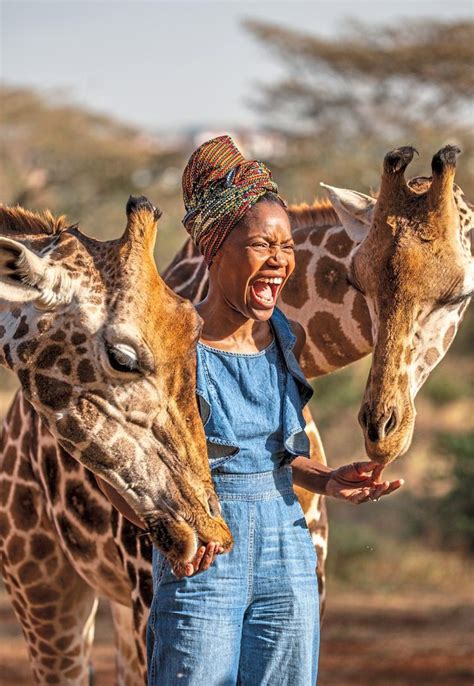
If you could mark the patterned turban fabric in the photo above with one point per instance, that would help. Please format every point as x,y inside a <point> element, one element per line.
<point>219,186</point>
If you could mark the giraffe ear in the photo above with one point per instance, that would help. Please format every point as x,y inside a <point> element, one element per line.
<point>354,209</point>
<point>27,277</point>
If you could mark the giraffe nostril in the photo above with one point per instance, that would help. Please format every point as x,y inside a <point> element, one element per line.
<point>363,417</point>
<point>391,423</point>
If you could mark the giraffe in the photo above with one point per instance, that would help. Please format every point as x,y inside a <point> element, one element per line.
<point>105,354</point>
<point>321,295</point>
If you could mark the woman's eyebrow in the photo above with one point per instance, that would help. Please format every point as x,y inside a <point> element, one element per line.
<point>269,239</point>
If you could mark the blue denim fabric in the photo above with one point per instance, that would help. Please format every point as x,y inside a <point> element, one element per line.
<point>252,618</point>
<point>222,401</point>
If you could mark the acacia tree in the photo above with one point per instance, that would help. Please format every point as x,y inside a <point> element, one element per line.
<point>370,81</point>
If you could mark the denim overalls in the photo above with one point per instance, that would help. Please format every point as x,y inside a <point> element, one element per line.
<point>252,618</point>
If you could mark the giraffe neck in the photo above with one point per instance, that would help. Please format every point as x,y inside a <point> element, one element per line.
<point>335,316</point>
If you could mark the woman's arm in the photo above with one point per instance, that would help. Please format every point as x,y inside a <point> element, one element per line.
<point>355,483</point>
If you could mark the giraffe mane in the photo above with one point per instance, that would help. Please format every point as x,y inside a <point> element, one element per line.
<point>320,213</point>
<point>17,220</point>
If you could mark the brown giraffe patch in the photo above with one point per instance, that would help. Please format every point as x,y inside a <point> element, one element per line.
<point>41,594</point>
<point>360,312</point>
<point>296,292</point>
<point>24,379</point>
<point>22,328</point>
<point>58,336</point>
<point>64,365</point>
<point>448,336</point>
<point>53,393</point>
<point>50,471</point>
<point>339,244</point>
<point>86,372</point>
<point>23,508</point>
<point>28,572</point>
<point>84,548</point>
<point>326,331</point>
<point>84,508</point>
<point>41,546</point>
<point>16,549</point>
<point>9,460</point>
<point>330,280</point>
<point>48,356</point>
<point>316,236</point>
<point>431,356</point>
<point>71,429</point>
<point>26,349</point>
<point>64,642</point>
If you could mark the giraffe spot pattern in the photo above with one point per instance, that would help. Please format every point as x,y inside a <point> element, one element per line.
<point>86,372</point>
<point>448,336</point>
<point>360,312</point>
<point>339,244</point>
<point>16,549</point>
<point>23,508</point>
<point>28,572</point>
<point>22,328</point>
<point>53,393</point>
<point>431,356</point>
<point>41,594</point>
<point>326,331</point>
<point>26,349</point>
<point>84,508</point>
<point>25,380</point>
<point>58,336</point>
<point>330,280</point>
<point>50,472</point>
<point>47,358</point>
<point>70,428</point>
<point>296,292</point>
<point>129,537</point>
<point>84,548</point>
<point>41,546</point>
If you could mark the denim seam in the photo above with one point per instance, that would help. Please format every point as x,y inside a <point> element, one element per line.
<point>254,497</point>
<point>250,552</point>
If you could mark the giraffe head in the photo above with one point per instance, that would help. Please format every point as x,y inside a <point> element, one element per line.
<point>105,352</point>
<point>412,262</point>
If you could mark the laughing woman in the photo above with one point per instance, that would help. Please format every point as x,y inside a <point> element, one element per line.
<point>249,617</point>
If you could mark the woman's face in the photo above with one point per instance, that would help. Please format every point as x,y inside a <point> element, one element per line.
<point>255,261</point>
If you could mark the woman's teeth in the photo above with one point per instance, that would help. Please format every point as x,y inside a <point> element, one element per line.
<point>265,289</point>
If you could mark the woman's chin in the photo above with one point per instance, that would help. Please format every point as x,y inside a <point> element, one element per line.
<point>259,311</point>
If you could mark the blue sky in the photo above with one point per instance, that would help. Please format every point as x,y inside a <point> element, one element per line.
<point>168,65</point>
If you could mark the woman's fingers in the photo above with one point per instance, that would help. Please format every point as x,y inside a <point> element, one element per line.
<point>203,559</point>
<point>208,557</point>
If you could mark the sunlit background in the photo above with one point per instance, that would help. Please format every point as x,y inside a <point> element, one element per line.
<point>103,99</point>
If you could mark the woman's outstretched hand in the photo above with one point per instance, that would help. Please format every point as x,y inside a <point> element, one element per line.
<point>203,559</point>
<point>359,482</point>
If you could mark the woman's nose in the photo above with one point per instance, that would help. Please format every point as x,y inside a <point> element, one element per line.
<point>278,256</point>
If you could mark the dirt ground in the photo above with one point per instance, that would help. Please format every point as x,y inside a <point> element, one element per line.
<point>382,640</point>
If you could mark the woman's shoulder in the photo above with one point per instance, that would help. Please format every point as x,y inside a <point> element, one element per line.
<point>293,329</point>
<point>300,333</point>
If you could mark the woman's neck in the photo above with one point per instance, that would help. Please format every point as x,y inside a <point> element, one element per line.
<point>228,329</point>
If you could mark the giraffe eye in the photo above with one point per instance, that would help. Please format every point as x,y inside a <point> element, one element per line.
<point>122,358</point>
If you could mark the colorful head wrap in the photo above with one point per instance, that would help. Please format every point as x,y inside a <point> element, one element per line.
<point>219,186</point>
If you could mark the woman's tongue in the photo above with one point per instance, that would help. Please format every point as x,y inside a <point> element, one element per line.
<point>263,292</point>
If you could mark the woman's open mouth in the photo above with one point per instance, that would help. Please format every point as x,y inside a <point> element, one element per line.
<point>264,291</point>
